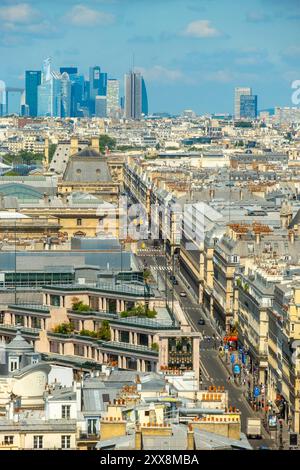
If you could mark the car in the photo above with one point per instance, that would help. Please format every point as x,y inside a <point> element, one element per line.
<point>201,321</point>
<point>172,277</point>
<point>175,282</point>
<point>182,294</point>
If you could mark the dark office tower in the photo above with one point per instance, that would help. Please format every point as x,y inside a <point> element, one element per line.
<point>95,73</point>
<point>144,99</point>
<point>32,81</point>
<point>133,95</point>
<point>95,82</point>
<point>248,106</point>
<point>69,70</point>
<point>103,84</point>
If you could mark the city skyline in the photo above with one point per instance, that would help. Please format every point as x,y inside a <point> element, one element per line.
<point>191,55</point>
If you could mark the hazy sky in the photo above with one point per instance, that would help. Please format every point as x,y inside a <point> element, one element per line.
<point>192,52</point>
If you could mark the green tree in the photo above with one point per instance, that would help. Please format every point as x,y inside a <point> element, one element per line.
<point>105,141</point>
<point>92,334</point>
<point>52,148</point>
<point>139,311</point>
<point>64,328</point>
<point>104,331</point>
<point>79,306</point>
<point>27,158</point>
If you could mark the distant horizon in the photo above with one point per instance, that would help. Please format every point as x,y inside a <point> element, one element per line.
<point>191,54</point>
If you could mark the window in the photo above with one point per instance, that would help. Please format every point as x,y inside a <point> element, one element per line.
<point>8,440</point>
<point>13,363</point>
<point>250,248</point>
<point>92,426</point>
<point>79,221</point>
<point>105,397</point>
<point>55,300</point>
<point>37,442</point>
<point>65,442</point>
<point>65,411</point>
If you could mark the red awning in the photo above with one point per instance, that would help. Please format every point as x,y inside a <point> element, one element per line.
<point>230,338</point>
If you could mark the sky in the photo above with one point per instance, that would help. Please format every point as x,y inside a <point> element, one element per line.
<point>192,53</point>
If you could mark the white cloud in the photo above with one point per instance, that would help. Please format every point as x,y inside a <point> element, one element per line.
<point>21,13</point>
<point>81,15</point>
<point>159,73</point>
<point>201,29</point>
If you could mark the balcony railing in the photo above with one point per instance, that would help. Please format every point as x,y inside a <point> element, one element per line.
<point>128,347</point>
<point>143,322</point>
<point>30,307</point>
<point>24,329</point>
<point>136,290</point>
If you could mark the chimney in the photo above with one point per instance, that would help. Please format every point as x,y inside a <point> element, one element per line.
<point>138,437</point>
<point>74,146</point>
<point>95,143</point>
<point>190,438</point>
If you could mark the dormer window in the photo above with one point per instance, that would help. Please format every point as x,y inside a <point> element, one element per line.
<point>13,364</point>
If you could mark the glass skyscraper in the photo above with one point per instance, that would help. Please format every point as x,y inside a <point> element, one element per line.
<point>32,81</point>
<point>65,95</point>
<point>103,84</point>
<point>133,95</point>
<point>144,99</point>
<point>248,106</point>
<point>239,91</point>
<point>100,106</point>
<point>69,70</point>
<point>50,96</point>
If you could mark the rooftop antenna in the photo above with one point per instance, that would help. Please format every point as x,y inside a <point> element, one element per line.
<point>133,62</point>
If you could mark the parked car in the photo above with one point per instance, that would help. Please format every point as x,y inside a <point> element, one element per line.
<point>175,282</point>
<point>201,321</point>
<point>182,294</point>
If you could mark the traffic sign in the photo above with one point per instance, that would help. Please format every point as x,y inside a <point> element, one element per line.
<point>236,369</point>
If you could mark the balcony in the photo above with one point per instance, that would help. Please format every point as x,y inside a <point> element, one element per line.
<point>132,290</point>
<point>24,329</point>
<point>128,347</point>
<point>30,307</point>
<point>141,322</point>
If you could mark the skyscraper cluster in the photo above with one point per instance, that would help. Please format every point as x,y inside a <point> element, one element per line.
<point>68,93</point>
<point>245,103</point>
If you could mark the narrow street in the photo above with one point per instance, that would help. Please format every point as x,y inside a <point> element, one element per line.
<point>213,371</point>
